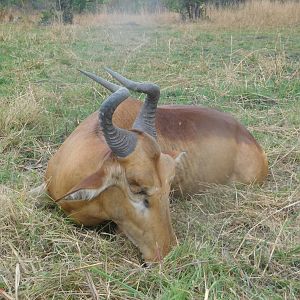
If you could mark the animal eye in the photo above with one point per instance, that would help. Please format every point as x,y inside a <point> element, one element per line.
<point>146,203</point>
<point>135,188</point>
<point>142,192</point>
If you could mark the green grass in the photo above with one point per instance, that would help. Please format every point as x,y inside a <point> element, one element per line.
<point>238,242</point>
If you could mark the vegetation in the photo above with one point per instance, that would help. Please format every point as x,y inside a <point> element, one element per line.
<point>187,8</point>
<point>236,242</point>
<point>65,7</point>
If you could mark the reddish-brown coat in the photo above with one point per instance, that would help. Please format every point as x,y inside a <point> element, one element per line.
<point>218,150</point>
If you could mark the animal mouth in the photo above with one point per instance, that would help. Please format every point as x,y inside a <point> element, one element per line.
<point>146,259</point>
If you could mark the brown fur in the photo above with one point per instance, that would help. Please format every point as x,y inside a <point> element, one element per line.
<point>84,164</point>
<point>218,150</point>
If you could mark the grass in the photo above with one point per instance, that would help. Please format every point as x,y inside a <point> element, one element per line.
<point>236,242</point>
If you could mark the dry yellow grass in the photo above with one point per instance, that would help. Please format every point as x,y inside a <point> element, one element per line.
<point>130,19</point>
<point>257,14</point>
<point>19,112</point>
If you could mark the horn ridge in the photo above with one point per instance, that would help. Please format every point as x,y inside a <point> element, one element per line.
<point>145,120</point>
<point>121,141</point>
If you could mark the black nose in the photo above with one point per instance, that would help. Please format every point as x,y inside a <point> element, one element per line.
<point>144,265</point>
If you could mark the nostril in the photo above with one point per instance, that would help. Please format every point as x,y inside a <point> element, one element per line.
<point>144,265</point>
<point>146,203</point>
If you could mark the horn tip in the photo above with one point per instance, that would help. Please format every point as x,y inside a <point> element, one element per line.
<point>82,71</point>
<point>110,71</point>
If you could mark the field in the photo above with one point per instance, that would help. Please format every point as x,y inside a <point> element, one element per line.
<point>236,242</point>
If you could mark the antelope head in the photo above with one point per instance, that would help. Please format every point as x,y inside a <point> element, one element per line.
<point>132,188</point>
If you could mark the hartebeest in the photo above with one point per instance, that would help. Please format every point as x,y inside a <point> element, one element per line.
<point>121,168</point>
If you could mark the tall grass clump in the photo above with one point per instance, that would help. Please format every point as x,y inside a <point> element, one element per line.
<point>253,13</point>
<point>257,13</point>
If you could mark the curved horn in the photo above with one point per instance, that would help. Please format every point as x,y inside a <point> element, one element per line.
<point>145,120</point>
<point>108,85</point>
<point>122,142</point>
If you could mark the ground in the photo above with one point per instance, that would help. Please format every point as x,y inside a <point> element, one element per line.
<point>236,242</point>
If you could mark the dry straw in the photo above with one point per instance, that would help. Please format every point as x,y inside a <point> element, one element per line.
<point>258,14</point>
<point>251,14</point>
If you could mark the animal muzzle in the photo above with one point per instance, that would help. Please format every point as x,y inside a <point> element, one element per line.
<point>159,247</point>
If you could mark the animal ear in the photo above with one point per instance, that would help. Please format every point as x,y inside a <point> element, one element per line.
<point>179,157</point>
<point>93,185</point>
<point>180,161</point>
